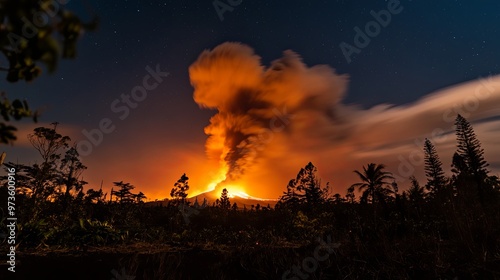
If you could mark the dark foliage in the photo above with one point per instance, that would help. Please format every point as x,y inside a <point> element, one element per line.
<point>413,235</point>
<point>34,32</point>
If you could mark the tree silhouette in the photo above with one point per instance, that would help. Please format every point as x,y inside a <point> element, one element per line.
<point>350,196</point>
<point>139,197</point>
<point>47,141</point>
<point>469,147</point>
<point>196,204</point>
<point>223,202</point>
<point>459,168</point>
<point>416,193</point>
<point>373,182</point>
<point>93,196</point>
<point>56,179</point>
<point>310,185</point>
<point>305,189</point>
<point>436,179</point>
<point>124,194</point>
<point>234,207</point>
<point>71,169</point>
<point>41,180</point>
<point>337,198</point>
<point>292,197</point>
<point>179,191</point>
<point>17,110</point>
<point>468,160</point>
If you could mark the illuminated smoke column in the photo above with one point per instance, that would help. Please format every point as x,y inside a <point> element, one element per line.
<point>271,121</point>
<point>254,102</point>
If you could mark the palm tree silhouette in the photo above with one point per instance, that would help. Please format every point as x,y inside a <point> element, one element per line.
<point>372,182</point>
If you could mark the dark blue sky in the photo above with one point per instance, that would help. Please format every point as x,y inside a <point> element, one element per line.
<point>428,46</point>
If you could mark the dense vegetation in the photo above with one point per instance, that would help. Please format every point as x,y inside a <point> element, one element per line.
<point>445,228</point>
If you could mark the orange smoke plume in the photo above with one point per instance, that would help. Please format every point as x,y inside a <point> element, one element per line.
<point>255,103</point>
<point>271,121</point>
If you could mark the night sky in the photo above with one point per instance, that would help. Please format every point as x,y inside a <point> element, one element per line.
<point>428,46</point>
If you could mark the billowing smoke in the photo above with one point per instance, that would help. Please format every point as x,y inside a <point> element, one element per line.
<point>271,121</point>
<point>254,103</point>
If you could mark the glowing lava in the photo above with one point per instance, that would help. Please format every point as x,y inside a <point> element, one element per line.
<point>234,189</point>
<point>236,192</point>
<point>219,181</point>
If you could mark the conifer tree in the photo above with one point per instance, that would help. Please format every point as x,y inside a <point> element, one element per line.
<point>436,179</point>
<point>468,161</point>
<point>415,193</point>
<point>469,148</point>
<point>224,202</point>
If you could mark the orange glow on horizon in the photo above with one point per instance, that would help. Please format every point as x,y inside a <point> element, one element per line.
<point>234,189</point>
<point>220,177</point>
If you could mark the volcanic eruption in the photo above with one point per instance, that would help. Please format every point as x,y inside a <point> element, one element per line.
<point>254,104</point>
<point>271,121</point>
